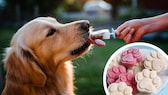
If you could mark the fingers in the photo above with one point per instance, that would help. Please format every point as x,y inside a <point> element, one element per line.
<point>129,36</point>
<point>120,29</point>
<point>126,34</point>
<point>127,39</point>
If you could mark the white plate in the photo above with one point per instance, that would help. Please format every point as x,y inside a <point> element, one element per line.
<point>140,45</point>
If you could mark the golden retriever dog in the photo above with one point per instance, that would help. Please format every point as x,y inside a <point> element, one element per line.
<point>38,59</point>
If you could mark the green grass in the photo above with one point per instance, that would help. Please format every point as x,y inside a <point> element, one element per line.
<point>88,69</point>
<point>5,37</point>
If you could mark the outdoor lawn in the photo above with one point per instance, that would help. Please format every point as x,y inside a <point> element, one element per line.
<point>89,68</point>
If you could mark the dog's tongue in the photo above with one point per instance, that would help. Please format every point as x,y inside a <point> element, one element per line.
<point>97,42</point>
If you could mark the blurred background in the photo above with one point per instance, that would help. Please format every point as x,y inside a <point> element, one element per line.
<point>100,13</point>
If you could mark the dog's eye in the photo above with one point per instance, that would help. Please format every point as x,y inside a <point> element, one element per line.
<point>51,32</point>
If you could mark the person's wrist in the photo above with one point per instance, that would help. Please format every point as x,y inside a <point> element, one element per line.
<point>146,21</point>
<point>152,27</point>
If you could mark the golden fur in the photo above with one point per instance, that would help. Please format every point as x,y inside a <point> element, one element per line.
<point>38,59</point>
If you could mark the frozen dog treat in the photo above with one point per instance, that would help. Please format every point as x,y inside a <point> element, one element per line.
<point>114,73</point>
<point>137,68</point>
<point>131,57</point>
<point>119,89</point>
<point>104,34</point>
<point>155,61</point>
<point>96,36</point>
<point>115,62</point>
<point>129,79</point>
<point>119,69</point>
<point>147,81</point>
<point>119,74</point>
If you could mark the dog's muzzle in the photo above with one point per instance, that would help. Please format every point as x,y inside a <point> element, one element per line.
<point>84,26</point>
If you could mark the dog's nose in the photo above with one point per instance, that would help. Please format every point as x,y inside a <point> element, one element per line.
<point>85,26</point>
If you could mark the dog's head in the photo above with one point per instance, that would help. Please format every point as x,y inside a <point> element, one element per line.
<point>45,40</point>
<point>48,38</point>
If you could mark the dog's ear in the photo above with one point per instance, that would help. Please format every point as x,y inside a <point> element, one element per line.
<point>23,69</point>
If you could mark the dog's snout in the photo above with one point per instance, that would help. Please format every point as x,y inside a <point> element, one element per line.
<point>85,26</point>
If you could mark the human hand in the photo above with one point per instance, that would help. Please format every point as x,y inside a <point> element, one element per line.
<point>132,30</point>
